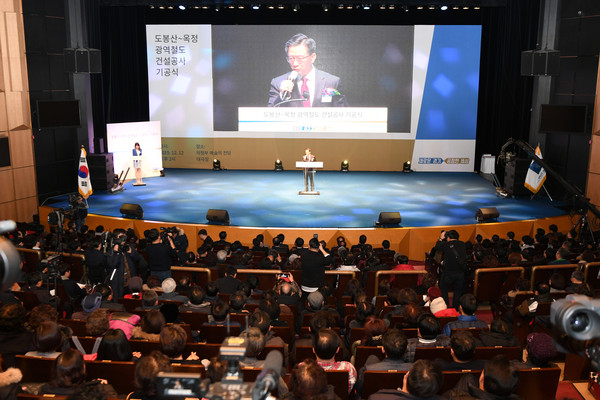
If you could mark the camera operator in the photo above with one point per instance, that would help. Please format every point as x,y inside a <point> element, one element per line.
<point>123,263</point>
<point>77,211</point>
<point>161,252</point>
<point>96,262</point>
<point>180,241</point>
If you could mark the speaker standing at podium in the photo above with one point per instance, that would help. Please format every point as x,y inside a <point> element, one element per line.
<point>137,164</point>
<point>309,173</point>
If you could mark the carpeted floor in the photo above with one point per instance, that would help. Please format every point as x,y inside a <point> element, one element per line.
<point>353,199</point>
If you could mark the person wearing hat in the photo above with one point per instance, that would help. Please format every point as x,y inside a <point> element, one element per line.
<point>90,303</point>
<point>540,351</point>
<point>437,305</point>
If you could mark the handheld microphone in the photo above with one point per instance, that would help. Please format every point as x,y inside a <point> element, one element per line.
<point>267,380</point>
<point>291,77</point>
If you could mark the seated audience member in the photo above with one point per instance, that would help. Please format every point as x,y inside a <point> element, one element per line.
<point>48,341</point>
<point>146,370</point>
<point>150,326</point>
<point>271,261</point>
<point>255,344</point>
<point>437,305</point>
<point>90,303</point>
<point>326,344</point>
<point>152,283</point>
<point>169,293</point>
<point>9,383</point>
<point>135,288</point>
<point>237,301</point>
<point>428,335</point>
<point>271,307</point>
<point>410,316</point>
<point>123,321</point>
<point>364,310</point>
<point>212,292</point>
<point>462,349</point>
<point>229,283</point>
<point>74,291</point>
<point>374,330</point>
<point>108,300</point>
<point>467,318</point>
<point>97,323</point>
<point>35,282</point>
<point>149,301</point>
<point>260,319</point>
<point>308,381</point>
<point>69,377</point>
<point>286,292</point>
<point>172,342</point>
<point>540,351</point>
<point>422,382</point>
<point>541,294</point>
<point>577,278</point>
<point>216,369</point>
<point>498,381</point>
<point>171,313</point>
<point>219,314</point>
<point>394,346</point>
<point>320,320</point>
<point>316,302</point>
<point>557,283</point>
<point>500,334</point>
<point>14,338</point>
<point>197,302</point>
<point>115,347</point>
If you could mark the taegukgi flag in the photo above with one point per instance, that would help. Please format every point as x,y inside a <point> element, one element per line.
<point>83,175</point>
<point>536,175</point>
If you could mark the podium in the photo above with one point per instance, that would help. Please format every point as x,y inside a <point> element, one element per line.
<point>306,165</point>
<point>137,163</point>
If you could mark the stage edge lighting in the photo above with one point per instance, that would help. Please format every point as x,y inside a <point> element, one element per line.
<point>278,166</point>
<point>406,167</point>
<point>216,165</point>
<point>345,166</point>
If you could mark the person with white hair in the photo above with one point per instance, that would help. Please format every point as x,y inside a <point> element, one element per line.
<point>169,293</point>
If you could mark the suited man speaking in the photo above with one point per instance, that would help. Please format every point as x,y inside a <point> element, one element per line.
<point>305,86</point>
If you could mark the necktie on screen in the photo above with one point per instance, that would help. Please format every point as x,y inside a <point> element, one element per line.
<point>304,88</point>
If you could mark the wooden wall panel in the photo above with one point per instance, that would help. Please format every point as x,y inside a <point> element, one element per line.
<point>17,106</point>
<point>3,114</point>
<point>7,184</point>
<point>8,211</point>
<point>26,208</point>
<point>17,62</point>
<point>24,182</point>
<point>11,5</point>
<point>21,149</point>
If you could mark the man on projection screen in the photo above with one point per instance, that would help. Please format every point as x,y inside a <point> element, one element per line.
<point>305,86</point>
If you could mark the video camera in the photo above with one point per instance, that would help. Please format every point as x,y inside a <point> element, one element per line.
<point>576,326</point>
<point>164,233</point>
<point>232,386</point>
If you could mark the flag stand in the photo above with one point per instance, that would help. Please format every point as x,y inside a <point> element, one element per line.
<point>545,190</point>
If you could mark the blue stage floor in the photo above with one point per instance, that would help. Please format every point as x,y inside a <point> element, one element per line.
<point>348,200</point>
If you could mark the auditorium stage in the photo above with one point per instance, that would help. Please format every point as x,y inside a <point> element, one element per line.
<point>347,200</point>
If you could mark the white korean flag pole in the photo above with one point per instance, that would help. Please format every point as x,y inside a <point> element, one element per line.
<point>536,175</point>
<point>83,175</point>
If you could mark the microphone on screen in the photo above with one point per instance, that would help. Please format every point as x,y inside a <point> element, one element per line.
<point>291,77</point>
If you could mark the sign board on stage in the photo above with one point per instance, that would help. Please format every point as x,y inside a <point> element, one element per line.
<point>121,141</point>
<point>314,119</point>
<point>311,164</point>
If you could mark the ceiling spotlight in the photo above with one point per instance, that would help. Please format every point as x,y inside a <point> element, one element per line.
<point>152,7</point>
<point>405,8</point>
<point>241,7</point>
<point>296,7</point>
<point>255,6</point>
<point>325,7</point>
<point>161,7</point>
<point>455,7</point>
<point>281,6</point>
<point>205,7</point>
<point>476,8</point>
<point>231,7</point>
<point>181,7</point>
<point>340,7</point>
<point>366,7</point>
<point>278,166</point>
<point>170,7</point>
<point>443,8</point>
<point>349,7</point>
<point>432,7</point>
<point>196,7</point>
<point>217,9</point>
<point>419,7</point>
<point>382,7</point>
<point>391,7</point>
<point>344,167</point>
<point>465,7</point>
<point>271,7</point>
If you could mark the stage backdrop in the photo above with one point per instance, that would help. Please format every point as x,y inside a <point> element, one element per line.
<point>420,82</point>
<point>121,142</point>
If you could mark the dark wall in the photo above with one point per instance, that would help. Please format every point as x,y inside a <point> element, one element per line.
<point>56,150</point>
<point>579,45</point>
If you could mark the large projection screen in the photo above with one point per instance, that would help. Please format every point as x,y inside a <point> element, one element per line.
<point>381,95</point>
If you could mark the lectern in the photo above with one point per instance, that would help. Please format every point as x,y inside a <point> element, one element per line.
<point>306,165</point>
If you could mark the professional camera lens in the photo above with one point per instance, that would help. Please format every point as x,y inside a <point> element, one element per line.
<point>579,322</point>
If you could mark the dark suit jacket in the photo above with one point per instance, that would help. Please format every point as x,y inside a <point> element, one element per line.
<point>72,288</point>
<point>323,80</point>
<point>228,284</point>
<point>97,265</point>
